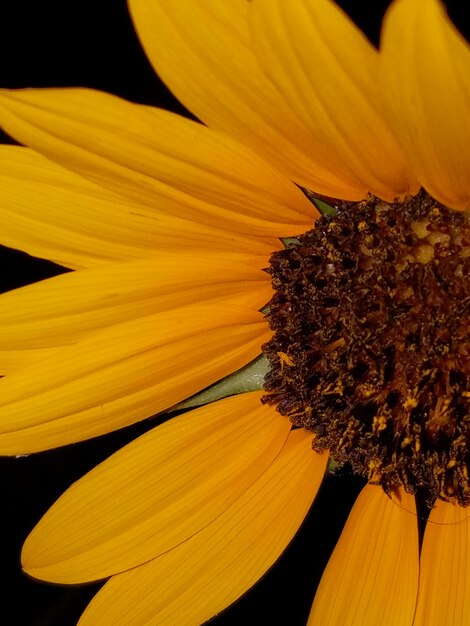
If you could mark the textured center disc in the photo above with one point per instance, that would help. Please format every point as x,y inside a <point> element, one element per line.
<point>371,345</point>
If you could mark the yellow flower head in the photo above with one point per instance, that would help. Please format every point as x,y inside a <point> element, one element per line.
<point>363,315</point>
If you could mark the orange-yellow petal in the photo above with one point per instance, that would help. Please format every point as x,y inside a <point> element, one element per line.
<point>156,492</point>
<point>328,72</point>
<point>53,213</point>
<point>154,157</point>
<point>199,578</point>
<point>61,310</point>
<point>15,360</point>
<point>204,53</point>
<point>425,71</point>
<point>125,373</point>
<point>372,575</point>
<point>444,584</point>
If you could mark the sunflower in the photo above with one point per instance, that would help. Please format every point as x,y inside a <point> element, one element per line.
<point>197,247</point>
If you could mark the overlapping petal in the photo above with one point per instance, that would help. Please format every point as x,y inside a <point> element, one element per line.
<point>156,158</point>
<point>328,72</point>
<point>425,70</point>
<point>372,575</point>
<point>50,212</point>
<point>445,562</point>
<point>156,492</point>
<point>125,373</point>
<point>199,578</point>
<point>62,310</point>
<point>204,53</point>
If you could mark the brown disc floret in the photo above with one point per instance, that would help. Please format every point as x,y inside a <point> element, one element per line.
<point>371,345</point>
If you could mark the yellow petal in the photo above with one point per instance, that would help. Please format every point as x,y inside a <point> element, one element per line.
<point>445,563</point>
<point>199,578</point>
<point>159,159</point>
<point>425,70</point>
<point>15,360</point>
<point>203,52</point>
<point>328,72</point>
<point>156,492</point>
<point>125,373</point>
<point>53,213</point>
<point>61,310</point>
<point>372,575</point>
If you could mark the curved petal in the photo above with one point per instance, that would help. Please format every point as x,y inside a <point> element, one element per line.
<point>63,309</point>
<point>203,52</point>
<point>156,492</point>
<point>159,159</point>
<point>328,72</point>
<point>202,576</point>
<point>125,373</point>
<point>53,213</point>
<point>425,71</point>
<point>444,584</point>
<point>372,575</point>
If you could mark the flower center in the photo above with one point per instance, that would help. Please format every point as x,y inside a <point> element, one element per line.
<point>371,345</point>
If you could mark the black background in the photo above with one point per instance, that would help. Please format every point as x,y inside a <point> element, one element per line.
<point>92,43</point>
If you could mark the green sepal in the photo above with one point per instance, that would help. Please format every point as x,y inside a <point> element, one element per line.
<point>290,242</point>
<point>332,467</point>
<point>248,378</point>
<point>324,208</point>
